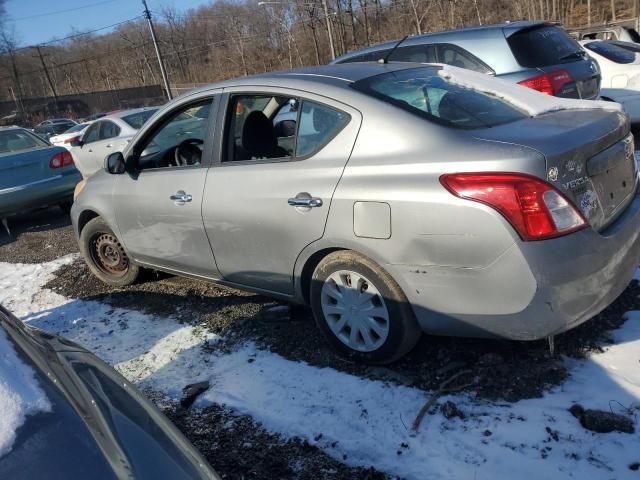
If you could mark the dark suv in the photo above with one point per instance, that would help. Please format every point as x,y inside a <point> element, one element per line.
<point>539,55</point>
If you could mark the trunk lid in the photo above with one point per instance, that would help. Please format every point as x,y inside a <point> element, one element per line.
<point>589,157</point>
<point>21,168</point>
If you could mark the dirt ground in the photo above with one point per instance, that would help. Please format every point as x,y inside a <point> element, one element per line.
<point>238,448</point>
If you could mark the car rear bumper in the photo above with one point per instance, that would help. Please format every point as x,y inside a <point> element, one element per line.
<point>40,193</point>
<point>533,290</point>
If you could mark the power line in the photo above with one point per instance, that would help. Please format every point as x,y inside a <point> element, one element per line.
<point>39,15</point>
<point>82,34</point>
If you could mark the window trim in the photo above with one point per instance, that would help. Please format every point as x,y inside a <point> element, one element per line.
<point>132,158</point>
<point>226,112</point>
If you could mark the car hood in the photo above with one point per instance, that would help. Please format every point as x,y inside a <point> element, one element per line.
<point>97,412</point>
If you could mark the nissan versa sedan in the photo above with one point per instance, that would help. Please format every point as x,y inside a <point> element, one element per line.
<point>68,415</point>
<point>406,199</point>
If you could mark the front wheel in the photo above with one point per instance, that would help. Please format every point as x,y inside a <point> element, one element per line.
<point>361,310</point>
<point>105,256</point>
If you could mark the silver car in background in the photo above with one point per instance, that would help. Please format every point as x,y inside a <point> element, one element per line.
<point>404,199</point>
<point>108,134</point>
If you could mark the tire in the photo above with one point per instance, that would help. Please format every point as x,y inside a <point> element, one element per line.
<point>383,337</point>
<point>65,206</point>
<point>105,255</point>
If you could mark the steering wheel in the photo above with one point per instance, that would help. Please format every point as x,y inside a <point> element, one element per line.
<point>187,153</point>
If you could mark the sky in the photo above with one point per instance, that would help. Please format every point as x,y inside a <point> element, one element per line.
<point>38,21</point>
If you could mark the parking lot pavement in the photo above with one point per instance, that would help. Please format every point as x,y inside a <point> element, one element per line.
<point>36,237</point>
<point>270,411</point>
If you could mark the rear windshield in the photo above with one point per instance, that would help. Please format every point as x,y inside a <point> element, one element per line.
<point>423,92</point>
<point>136,120</point>
<point>18,140</point>
<point>631,47</point>
<point>611,52</point>
<point>544,46</point>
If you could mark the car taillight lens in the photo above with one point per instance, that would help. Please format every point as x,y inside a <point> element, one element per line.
<point>72,139</point>
<point>60,160</point>
<point>549,83</point>
<point>535,209</point>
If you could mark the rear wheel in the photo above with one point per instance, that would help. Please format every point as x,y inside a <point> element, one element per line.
<point>361,310</point>
<point>105,256</point>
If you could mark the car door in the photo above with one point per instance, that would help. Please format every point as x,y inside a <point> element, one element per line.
<point>107,136</point>
<point>158,204</point>
<point>267,199</point>
<point>83,155</point>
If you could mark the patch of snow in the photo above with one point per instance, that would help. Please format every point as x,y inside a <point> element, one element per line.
<point>363,422</point>
<point>20,394</point>
<point>524,98</point>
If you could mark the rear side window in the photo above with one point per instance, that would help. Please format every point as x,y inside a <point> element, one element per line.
<point>543,46</point>
<point>459,57</point>
<point>423,92</point>
<point>611,52</point>
<point>318,125</point>
<point>415,54</point>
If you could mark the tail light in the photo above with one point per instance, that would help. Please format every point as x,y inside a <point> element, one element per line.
<point>535,209</point>
<point>72,139</point>
<point>549,83</point>
<point>61,159</point>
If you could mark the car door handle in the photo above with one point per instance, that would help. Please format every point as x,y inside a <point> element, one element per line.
<point>180,197</point>
<point>305,202</point>
<point>109,146</point>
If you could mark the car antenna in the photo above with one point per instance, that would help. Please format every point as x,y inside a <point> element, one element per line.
<point>386,57</point>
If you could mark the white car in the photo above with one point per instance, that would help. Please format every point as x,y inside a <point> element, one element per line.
<point>107,135</point>
<point>73,134</point>
<point>620,71</point>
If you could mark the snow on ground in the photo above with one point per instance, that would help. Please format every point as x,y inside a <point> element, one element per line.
<point>20,394</point>
<point>362,422</point>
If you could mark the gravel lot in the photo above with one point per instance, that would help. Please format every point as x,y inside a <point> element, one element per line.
<point>235,445</point>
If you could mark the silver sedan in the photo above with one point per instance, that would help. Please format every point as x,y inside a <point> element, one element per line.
<point>393,199</point>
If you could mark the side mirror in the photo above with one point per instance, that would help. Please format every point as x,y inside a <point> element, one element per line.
<point>77,143</point>
<point>114,163</point>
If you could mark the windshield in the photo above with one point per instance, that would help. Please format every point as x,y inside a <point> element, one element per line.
<point>136,120</point>
<point>611,52</point>
<point>423,92</point>
<point>18,140</point>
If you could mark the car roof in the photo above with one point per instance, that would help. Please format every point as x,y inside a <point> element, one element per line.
<point>337,75</point>
<point>507,29</point>
<point>124,113</point>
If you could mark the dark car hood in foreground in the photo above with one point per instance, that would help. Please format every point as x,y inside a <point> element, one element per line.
<point>100,426</point>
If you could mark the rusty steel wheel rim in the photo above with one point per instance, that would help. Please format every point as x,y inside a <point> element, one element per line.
<point>108,254</point>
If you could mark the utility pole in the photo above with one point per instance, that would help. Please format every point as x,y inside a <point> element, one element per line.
<point>163,72</point>
<point>326,16</point>
<point>46,73</point>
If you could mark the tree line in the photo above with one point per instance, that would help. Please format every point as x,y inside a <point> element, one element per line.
<point>231,38</point>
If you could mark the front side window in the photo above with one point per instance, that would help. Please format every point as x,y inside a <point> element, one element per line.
<point>425,93</point>
<point>18,140</point>
<point>179,142</point>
